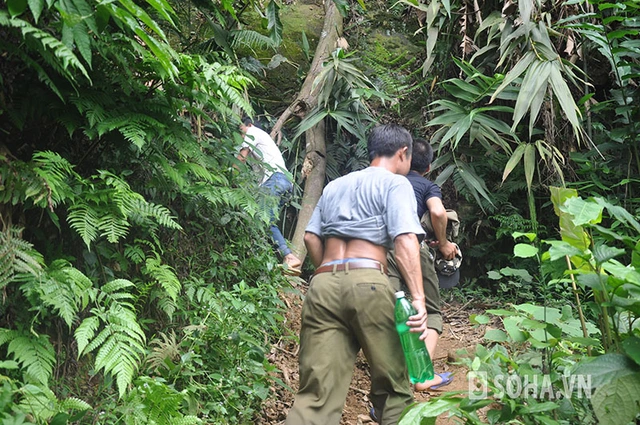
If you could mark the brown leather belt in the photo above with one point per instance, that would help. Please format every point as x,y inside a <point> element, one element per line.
<point>352,265</point>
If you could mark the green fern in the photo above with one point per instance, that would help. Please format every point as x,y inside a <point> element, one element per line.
<point>42,403</point>
<point>61,286</point>
<point>35,354</point>
<point>47,45</point>
<point>17,256</point>
<point>164,275</point>
<point>120,344</point>
<point>161,405</point>
<point>84,220</point>
<point>43,182</point>
<point>140,207</point>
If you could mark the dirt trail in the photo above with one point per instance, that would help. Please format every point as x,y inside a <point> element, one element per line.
<point>457,334</point>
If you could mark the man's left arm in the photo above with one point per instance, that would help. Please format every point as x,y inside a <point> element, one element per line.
<point>439,223</point>
<point>315,248</point>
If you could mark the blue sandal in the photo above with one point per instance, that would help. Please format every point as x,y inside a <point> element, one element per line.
<point>446,377</point>
<point>372,415</point>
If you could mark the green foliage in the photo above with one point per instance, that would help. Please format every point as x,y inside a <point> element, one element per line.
<point>113,330</point>
<point>154,401</point>
<point>120,177</point>
<point>35,354</point>
<point>17,256</point>
<point>595,351</point>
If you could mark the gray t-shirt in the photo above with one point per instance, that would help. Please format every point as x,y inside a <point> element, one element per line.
<point>373,204</point>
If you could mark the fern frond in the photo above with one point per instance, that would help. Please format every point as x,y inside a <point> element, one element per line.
<point>161,213</point>
<point>121,343</point>
<point>74,403</point>
<point>17,256</point>
<point>56,172</point>
<point>84,220</point>
<point>64,288</point>
<point>164,275</point>
<point>251,39</point>
<point>35,354</point>
<point>7,335</point>
<point>85,332</point>
<point>116,285</point>
<point>134,253</point>
<point>168,306</point>
<point>38,400</point>
<point>43,404</point>
<point>46,43</point>
<point>163,349</point>
<point>113,227</point>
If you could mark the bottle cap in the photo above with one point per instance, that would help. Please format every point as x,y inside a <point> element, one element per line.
<point>400,294</point>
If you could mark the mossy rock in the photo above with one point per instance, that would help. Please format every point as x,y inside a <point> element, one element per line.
<point>285,68</point>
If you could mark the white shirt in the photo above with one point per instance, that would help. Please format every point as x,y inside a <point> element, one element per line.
<point>263,148</point>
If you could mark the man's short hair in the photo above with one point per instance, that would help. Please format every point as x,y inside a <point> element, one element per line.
<point>422,155</point>
<point>246,120</point>
<point>385,140</point>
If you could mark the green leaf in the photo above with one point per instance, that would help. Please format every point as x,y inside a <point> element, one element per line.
<point>479,319</point>
<point>496,335</point>
<point>418,413</point>
<point>16,7</point>
<point>82,41</point>
<point>564,97</point>
<point>617,402</point>
<point>513,161</point>
<point>631,346</point>
<point>514,73</point>
<point>529,160</point>
<point>512,326</point>
<point>274,26</point>
<point>36,7</point>
<point>583,212</point>
<point>526,9</point>
<point>525,250</point>
<point>606,369</point>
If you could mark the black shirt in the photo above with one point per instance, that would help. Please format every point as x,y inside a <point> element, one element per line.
<point>424,189</point>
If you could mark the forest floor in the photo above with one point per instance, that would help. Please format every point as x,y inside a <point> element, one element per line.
<point>458,337</point>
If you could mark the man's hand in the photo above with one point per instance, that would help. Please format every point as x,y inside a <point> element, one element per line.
<point>418,322</point>
<point>448,250</point>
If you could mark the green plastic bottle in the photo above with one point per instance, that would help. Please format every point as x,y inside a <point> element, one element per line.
<point>415,351</point>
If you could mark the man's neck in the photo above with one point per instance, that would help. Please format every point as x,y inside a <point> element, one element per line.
<point>389,164</point>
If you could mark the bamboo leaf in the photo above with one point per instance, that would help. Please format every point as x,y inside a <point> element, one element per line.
<point>515,72</point>
<point>534,82</point>
<point>529,159</point>
<point>513,161</point>
<point>565,99</point>
<point>526,9</point>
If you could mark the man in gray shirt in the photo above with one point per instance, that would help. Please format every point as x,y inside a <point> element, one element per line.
<point>350,303</point>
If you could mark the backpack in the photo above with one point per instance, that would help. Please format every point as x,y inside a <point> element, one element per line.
<point>453,224</point>
<point>448,271</point>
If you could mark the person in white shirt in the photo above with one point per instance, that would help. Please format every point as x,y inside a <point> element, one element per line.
<point>276,180</point>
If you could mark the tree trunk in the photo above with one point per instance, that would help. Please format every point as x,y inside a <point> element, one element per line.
<point>315,148</point>
<point>314,171</point>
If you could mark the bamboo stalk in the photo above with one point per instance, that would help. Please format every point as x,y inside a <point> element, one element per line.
<point>579,305</point>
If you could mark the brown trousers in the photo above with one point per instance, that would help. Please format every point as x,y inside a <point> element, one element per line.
<point>342,313</point>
